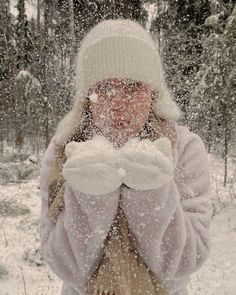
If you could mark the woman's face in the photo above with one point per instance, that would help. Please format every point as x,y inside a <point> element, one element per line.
<point>120,107</point>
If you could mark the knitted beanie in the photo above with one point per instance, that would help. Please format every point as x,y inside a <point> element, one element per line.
<point>119,48</point>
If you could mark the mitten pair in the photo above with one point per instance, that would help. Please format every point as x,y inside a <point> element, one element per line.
<point>96,167</point>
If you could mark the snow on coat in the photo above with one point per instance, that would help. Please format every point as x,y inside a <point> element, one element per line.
<point>170,223</point>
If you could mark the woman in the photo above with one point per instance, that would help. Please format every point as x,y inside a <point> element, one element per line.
<point>125,189</point>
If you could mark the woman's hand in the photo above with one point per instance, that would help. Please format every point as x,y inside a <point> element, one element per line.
<point>96,167</point>
<point>148,165</point>
<point>92,167</point>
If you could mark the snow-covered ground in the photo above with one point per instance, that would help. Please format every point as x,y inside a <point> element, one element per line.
<point>23,271</point>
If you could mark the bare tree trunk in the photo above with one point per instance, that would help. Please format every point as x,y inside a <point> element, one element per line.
<point>67,30</point>
<point>226,143</point>
<point>45,57</point>
<point>22,33</point>
<point>47,139</point>
<point>12,87</point>
<point>39,23</point>
<point>11,122</point>
<point>38,18</point>
<point>71,22</point>
<point>209,131</point>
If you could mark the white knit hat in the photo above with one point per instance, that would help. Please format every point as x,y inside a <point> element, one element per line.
<point>117,49</point>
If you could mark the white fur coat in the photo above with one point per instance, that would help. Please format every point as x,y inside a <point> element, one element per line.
<point>169,212</point>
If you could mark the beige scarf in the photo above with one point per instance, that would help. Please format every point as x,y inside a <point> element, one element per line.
<point>122,270</point>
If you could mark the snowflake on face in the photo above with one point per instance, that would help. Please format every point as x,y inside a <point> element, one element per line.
<point>93,97</point>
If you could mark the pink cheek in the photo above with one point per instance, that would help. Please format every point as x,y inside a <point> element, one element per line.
<point>139,118</point>
<point>101,117</point>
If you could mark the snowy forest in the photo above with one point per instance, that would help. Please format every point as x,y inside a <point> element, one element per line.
<point>39,40</point>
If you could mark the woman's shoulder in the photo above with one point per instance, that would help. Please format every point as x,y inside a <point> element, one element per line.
<point>187,138</point>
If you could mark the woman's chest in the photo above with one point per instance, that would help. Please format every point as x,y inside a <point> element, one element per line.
<point>122,270</point>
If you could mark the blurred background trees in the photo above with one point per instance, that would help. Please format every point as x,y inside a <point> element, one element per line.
<point>40,38</point>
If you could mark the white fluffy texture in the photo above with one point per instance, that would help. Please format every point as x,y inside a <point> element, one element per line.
<point>148,165</point>
<point>96,167</point>
<point>92,166</point>
<point>170,225</point>
<point>66,127</point>
<point>93,97</point>
<point>165,106</point>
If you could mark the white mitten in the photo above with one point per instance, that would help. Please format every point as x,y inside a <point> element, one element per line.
<point>148,165</point>
<point>92,167</point>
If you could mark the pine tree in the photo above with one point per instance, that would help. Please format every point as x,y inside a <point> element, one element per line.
<point>21,34</point>
<point>229,86</point>
<point>179,29</point>
<point>7,70</point>
<point>211,110</point>
<point>89,13</point>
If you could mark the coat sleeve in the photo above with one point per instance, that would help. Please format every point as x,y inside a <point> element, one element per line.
<point>170,225</point>
<point>72,245</point>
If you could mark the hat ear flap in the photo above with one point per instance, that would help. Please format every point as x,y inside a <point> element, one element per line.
<point>165,107</point>
<point>70,123</point>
